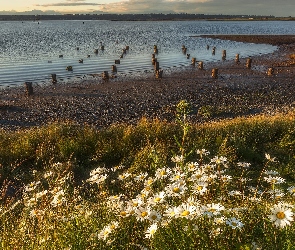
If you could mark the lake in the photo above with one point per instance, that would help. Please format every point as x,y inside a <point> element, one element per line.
<point>32,51</point>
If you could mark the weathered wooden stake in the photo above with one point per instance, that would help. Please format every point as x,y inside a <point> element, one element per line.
<point>29,88</point>
<point>270,71</point>
<point>114,68</point>
<point>213,50</point>
<point>153,56</point>
<point>208,47</point>
<point>188,56</point>
<point>237,58</point>
<point>248,63</point>
<point>127,47</point>
<point>201,65</point>
<point>223,54</point>
<point>214,73</point>
<point>96,51</point>
<point>159,73</point>
<point>105,75</point>
<point>154,60</point>
<point>69,68</point>
<point>102,47</point>
<point>193,61</point>
<point>117,61</point>
<point>156,66</point>
<point>53,77</point>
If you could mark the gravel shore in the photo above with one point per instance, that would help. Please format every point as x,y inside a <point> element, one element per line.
<point>238,91</point>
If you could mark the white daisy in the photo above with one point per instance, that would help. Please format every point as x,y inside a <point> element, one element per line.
<point>186,211</point>
<point>234,223</point>
<point>151,230</point>
<point>162,173</point>
<point>281,215</point>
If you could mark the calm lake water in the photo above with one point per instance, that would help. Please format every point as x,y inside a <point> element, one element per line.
<point>30,51</point>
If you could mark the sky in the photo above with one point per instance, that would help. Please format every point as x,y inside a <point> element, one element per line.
<point>278,8</point>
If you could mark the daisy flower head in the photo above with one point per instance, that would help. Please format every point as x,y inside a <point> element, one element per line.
<point>142,213</point>
<point>123,176</point>
<point>177,176</point>
<point>212,209</point>
<point>192,166</point>
<point>104,233</point>
<point>175,189</point>
<point>270,172</point>
<point>154,216</point>
<point>186,211</point>
<point>141,176</point>
<point>274,180</point>
<point>170,212</point>
<point>219,160</point>
<point>202,152</point>
<point>177,159</point>
<point>200,188</point>
<point>157,199</point>
<point>226,178</point>
<point>281,215</point>
<point>151,231</point>
<point>162,173</point>
<point>234,223</point>
<point>245,165</point>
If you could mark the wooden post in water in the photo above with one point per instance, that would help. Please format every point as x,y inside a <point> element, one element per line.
<point>53,77</point>
<point>29,88</point>
<point>208,47</point>
<point>201,65</point>
<point>105,75</point>
<point>213,50</point>
<point>248,63</point>
<point>270,71</point>
<point>159,73</point>
<point>214,73</point>
<point>193,61</point>
<point>154,60</point>
<point>114,68</point>
<point>155,49</point>
<point>117,61</point>
<point>223,54</point>
<point>237,58</point>
<point>96,51</point>
<point>157,66</point>
<point>127,47</point>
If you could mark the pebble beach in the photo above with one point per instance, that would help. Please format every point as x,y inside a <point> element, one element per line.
<point>237,91</point>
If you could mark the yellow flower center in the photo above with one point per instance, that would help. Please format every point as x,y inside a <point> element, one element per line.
<point>149,182</point>
<point>199,188</point>
<point>154,217</point>
<point>292,190</point>
<point>280,215</point>
<point>163,173</point>
<point>112,226</point>
<point>234,224</point>
<point>172,213</point>
<point>144,214</point>
<point>185,213</point>
<point>211,210</point>
<point>157,199</point>
<point>176,190</point>
<point>123,213</point>
<point>152,231</point>
<point>177,177</point>
<point>135,204</point>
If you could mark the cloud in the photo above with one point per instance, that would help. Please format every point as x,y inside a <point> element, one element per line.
<point>249,7</point>
<point>69,3</point>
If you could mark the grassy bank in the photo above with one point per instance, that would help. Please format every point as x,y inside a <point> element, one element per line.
<point>152,185</point>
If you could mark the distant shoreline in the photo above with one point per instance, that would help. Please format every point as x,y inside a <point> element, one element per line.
<point>144,17</point>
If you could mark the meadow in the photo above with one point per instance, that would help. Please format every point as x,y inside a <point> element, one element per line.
<point>228,184</point>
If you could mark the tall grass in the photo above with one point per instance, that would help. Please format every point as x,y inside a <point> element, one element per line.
<point>66,186</point>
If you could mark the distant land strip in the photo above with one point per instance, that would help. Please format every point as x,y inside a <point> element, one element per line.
<point>141,17</point>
